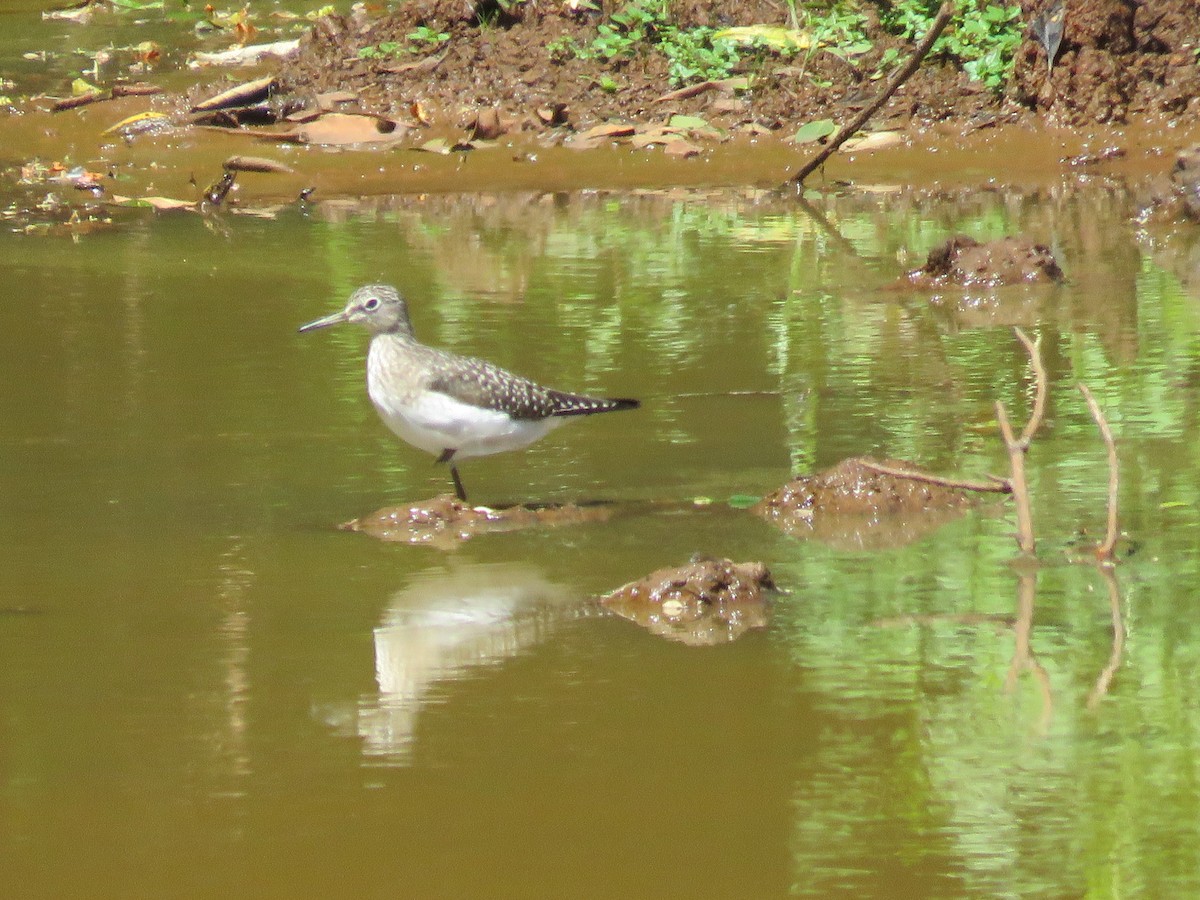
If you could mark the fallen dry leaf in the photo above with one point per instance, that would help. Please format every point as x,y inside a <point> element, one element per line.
<point>338,129</point>
<point>256,164</point>
<point>488,125</point>
<point>239,95</point>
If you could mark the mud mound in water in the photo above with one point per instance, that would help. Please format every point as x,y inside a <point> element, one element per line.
<point>852,506</point>
<point>446,521</point>
<point>965,261</point>
<point>705,602</point>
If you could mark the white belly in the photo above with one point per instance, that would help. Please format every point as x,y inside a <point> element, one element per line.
<point>435,422</point>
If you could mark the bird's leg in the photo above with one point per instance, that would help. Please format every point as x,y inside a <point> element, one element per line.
<point>446,456</point>
<point>458,485</point>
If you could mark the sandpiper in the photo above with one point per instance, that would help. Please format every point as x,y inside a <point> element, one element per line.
<point>448,405</point>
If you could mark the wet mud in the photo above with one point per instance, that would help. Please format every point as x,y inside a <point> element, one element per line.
<point>965,262</point>
<point>446,521</point>
<point>702,603</point>
<point>854,506</point>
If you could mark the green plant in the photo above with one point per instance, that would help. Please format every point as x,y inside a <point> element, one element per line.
<point>983,36</point>
<point>645,26</point>
<point>427,36</point>
<point>381,50</point>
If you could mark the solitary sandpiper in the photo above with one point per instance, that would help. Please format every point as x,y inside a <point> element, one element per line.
<point>448,405</point>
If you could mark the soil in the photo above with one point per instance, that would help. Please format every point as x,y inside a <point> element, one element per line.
<point>966,262</point>
<point>853,506</point>
<point>446,521</point>
<point>1118,59</point>
<point>704,602</point>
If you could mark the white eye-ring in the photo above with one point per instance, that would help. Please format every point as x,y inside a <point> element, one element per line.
<point>372,304</point>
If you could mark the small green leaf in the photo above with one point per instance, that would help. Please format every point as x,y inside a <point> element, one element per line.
<point>814,131</point>
<point>687,122</point>
<point>743,501</point>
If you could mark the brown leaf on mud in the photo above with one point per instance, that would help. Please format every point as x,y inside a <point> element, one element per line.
<point>417,110</point>
<point>339,129</point>
<point>692,90</point>
<point>256,164</point>
<point>600,135</point>
<point>420,67</point>
<point>239,95</point>
<point>608,130</point>
<point>683,149</point>
<point>705,602</point>
<point>331,100</point>
<point>488,125</point>
<point>553,115</point>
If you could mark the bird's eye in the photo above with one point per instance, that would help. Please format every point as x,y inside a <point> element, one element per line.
<point>372,304</point>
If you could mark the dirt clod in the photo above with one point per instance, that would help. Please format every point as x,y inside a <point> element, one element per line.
<point>964,261</point>
<point>704,602</point>
<point>854,506</point>
<point>445,521</point>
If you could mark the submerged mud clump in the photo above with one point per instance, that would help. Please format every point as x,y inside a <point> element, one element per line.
<point>707,601</point>
<point>964,261</point>
<point>1176,196</point>
<point>854,506</point>
<point>446,521</point>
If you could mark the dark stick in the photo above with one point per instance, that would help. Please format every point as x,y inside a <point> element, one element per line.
<point>901,76</point>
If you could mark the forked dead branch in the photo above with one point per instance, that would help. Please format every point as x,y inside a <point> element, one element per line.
<point>1017,447</point>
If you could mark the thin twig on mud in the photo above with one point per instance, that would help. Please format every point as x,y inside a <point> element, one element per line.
<point>1104,551</point>
<point>1017,448</point>
<point>995,486</point>
<point>902,75</point>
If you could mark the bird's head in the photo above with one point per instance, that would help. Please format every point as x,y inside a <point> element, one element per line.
<point>378,307</point>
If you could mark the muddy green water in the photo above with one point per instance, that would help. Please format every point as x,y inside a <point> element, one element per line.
<point>207,690</point>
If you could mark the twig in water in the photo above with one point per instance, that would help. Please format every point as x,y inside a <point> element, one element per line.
<point>1104,551</point>
<point>995,486</point>
<point>1017,448</point>
<point>902,75</point>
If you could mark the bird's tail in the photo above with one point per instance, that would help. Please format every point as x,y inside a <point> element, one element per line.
<point>578,405</point>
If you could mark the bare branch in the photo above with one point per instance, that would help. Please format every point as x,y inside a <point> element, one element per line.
<point>902,75</point>
<point>1020,489</point>
<point>1104,551</point>
<point>995,486</point>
